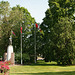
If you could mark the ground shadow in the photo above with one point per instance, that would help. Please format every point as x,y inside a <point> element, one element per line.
<point>46,73</point>
<point>43,65</point>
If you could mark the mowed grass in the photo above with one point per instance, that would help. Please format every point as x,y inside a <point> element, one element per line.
<point>42,68</point>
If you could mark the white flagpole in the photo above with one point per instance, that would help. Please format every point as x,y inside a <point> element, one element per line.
<point>21,47</point>
<point>34,43</point>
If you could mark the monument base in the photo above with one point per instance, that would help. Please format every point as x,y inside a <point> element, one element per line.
<point>12,59</point>
<point>5,56</point>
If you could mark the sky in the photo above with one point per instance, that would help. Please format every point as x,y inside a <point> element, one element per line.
<point>36,8</point>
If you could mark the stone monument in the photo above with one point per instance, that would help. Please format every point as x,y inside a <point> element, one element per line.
<point>9,56</point>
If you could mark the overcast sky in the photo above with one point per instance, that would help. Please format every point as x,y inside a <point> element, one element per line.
<point>36,8</point>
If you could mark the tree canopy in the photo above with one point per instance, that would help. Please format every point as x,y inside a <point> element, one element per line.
<point>58,26</point>
<point>12,19</point>
<point>55,43</point>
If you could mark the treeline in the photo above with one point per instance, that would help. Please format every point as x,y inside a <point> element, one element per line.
<point>59,29</point>
<point>12,19</point>
<point>56,44</point>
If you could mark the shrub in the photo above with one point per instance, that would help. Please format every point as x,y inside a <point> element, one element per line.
<point>4,67</point>
<point>18,58</point>
<point>25,58</point>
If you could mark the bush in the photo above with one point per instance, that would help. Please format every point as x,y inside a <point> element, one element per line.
<point>32,59</point>
<point>17,58</point>
<point>25,58</point>
<point>4,67</point>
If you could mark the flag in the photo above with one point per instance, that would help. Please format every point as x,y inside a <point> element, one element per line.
<point>36,25</point>
<point>41,31</point>
<point>21,30</point>
<point>13,33</point>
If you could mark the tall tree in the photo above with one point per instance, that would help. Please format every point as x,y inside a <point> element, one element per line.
<point>59,15</point>
<point>13,19</point>
<point>24,19</point>
<point>4,25</point>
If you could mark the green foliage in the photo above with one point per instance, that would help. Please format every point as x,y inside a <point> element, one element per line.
<point>55,42</point>
<point>25,58</point>
<point>18,58</point>
<point>63,41</point>
<point>4,25</point>
<point>12,19</point>
<point>58,30</point>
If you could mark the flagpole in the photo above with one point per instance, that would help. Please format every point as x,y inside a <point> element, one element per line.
<point>34,43</point>
<point>21,46</point>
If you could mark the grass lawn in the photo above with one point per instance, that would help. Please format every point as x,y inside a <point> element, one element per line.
<point>42,68</point>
